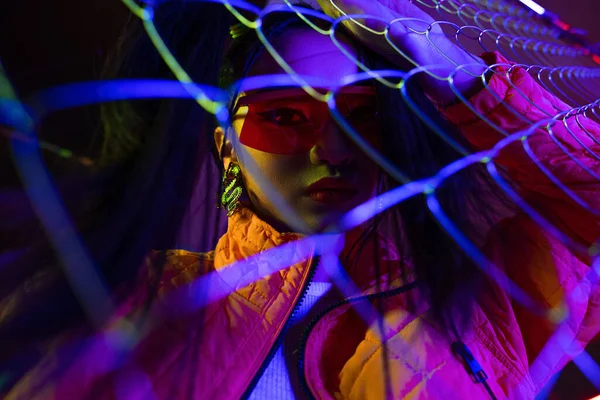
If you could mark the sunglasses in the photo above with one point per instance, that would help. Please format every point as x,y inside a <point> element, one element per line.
<point>290,121</point>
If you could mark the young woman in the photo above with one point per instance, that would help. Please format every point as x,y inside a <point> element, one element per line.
<point>418,319</point>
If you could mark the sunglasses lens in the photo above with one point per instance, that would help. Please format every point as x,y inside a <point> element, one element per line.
<point>289,121</point>
<point>278,131</point>
<point>360,112</point>
<point>280,121</point>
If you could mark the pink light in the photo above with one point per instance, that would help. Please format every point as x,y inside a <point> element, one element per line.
<point>562,25</point>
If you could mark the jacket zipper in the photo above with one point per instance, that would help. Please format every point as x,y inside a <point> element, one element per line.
<point>312,269</point>
<point>472,366</point>
<point>307,330</point>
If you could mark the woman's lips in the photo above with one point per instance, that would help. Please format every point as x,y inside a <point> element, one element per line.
<point>332,191</point>
<point>332,196</point>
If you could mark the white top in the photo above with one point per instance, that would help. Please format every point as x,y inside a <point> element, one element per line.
<point>280,380</point>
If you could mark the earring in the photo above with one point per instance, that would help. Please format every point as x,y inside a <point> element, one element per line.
<point>232,188</point>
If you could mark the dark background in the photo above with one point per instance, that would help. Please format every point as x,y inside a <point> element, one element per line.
<point>578,13</point>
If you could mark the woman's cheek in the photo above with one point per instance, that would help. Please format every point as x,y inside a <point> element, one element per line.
<point>282,172</point>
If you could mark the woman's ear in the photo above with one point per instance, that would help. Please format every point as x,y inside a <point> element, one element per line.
<point>224,147</point>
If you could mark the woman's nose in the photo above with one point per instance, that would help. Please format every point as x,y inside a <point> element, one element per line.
<point>333,147</point>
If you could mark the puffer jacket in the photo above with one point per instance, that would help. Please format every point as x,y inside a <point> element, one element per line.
<point>219,325</point>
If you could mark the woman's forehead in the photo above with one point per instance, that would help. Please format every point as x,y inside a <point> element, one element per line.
<point>298,94</point>
<point>308,53</point>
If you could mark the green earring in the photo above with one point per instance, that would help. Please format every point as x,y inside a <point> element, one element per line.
<point>232,188</point>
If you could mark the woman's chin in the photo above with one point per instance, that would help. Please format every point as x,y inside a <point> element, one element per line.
<point>325,222</point>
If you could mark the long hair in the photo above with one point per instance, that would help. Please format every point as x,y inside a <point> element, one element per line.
<point>444,272</point>
<point>134,203</point>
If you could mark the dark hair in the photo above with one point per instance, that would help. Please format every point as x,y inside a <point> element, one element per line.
<point>135,202</point>
<point>448,277</point>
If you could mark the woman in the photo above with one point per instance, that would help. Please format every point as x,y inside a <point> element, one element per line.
<point>452,334</point>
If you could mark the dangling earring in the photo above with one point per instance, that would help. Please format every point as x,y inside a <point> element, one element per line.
<point>232,188</point>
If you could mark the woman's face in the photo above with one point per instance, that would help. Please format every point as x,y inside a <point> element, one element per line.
<point>298,148</point>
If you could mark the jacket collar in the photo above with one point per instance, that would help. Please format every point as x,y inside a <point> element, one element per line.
<point>247,235</point>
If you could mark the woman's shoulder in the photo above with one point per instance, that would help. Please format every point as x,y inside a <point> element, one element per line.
<point>175,257</point>
<point>179,266</point>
